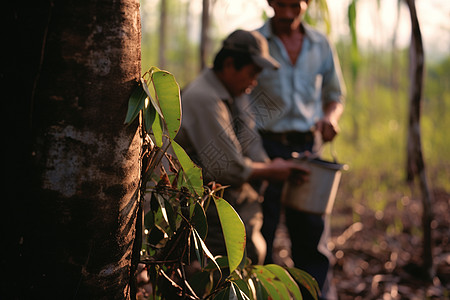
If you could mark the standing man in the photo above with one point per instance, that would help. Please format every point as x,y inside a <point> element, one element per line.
<point>292,105</point>
<point>218,132</point>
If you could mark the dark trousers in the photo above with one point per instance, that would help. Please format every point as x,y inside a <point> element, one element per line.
<point>305,229</point>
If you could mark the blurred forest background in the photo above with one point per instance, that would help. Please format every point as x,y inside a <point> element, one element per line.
<point>376,223</point>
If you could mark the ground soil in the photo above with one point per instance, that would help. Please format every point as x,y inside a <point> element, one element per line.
<point>378,255</point>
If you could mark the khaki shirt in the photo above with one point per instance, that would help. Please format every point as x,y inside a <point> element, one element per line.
<point>218,131</point>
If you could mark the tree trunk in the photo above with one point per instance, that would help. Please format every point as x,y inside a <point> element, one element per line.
<point>415,161</point>
<point>76,187</point>
<point>162,34</point>
<point>204,35</point>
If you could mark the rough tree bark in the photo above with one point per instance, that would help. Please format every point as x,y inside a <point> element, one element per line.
<point>415,162</point>
<point>75,192</point>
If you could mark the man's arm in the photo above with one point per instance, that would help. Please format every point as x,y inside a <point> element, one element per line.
<point>278,170</point>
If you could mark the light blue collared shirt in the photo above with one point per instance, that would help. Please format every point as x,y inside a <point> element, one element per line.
<point>291,98</point>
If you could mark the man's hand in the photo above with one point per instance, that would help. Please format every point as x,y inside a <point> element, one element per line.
<point>328,129</point>
<point>328,125</point>
<point>280,170</point>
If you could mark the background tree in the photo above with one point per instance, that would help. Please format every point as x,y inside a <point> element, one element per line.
<point>162,34</point>
<point>74,167</point>
<point>204,33</point>
<point>415,161</point>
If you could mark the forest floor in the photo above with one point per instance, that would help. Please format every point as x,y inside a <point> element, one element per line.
<point>377,254</point>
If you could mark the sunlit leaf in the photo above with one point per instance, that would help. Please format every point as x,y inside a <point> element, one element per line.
<point>233,231</point>
<point>253,293</point>
<point>168,97</point>
<point>269,288</point>
<point>306,280</point>
<point>273,285</point>
<point>192,173</point>
<point>286,278</point>
<point>157,131</point>
<point>151,97</point>
<point>281,289</point>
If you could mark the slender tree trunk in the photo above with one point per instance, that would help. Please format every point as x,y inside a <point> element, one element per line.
<point>162,34</point>
<point>204,35</point>
<point>76,211</point>
<point>415,161</point>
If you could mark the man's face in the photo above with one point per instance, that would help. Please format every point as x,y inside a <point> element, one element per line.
<point>288,12</point>
<point>243,80</point>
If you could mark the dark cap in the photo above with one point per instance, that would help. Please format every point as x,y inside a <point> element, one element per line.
<point>253,43</point>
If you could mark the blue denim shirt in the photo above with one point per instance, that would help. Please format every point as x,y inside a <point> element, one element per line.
<point>291,98</point>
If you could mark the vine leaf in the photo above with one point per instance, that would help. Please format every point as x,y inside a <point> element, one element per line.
<point>273,285</point>
<point>197,248</point>
<point>207,252</point>
<point>135,103</point>
<point>199,222</point>
<point>284,276</point>
<point>167,93</point>
<point>192,172</point>
<point>306,280</point>
<point>241,289</point>
<point>233,232</point>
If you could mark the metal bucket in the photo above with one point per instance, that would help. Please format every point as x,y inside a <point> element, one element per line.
<point>318,194</point>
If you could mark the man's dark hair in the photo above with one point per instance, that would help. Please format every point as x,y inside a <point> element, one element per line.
<point>240,59</point>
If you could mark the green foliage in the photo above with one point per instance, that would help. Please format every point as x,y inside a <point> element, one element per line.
<point>254,282</point>
<point>233,232</point>
<point>175,224</point>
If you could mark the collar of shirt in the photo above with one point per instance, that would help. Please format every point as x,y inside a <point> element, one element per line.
<point>267,32</point>
<point>218,86</point>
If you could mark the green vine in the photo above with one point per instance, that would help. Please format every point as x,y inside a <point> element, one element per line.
<point>174,221</point>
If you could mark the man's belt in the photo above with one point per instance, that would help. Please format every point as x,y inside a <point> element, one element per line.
<point>289,137</point>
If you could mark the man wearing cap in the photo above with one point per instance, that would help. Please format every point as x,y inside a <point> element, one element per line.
<point>218,133</point>
<point>296,106</point>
